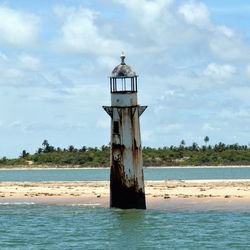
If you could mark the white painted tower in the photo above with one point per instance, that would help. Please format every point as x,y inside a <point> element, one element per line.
<point>126,174</point>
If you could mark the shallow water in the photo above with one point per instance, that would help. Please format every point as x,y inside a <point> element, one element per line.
<point>103,174</point>
<point>30,226</point>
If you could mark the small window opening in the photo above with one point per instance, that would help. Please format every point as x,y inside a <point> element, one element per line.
<point>116,127</point>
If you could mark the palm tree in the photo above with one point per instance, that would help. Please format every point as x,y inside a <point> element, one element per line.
<point>182,144</point>
<point>71,149</point>
<point>206,140</point>
<point>194,146</point>
<point>24,154</point>
<point>45,143</point>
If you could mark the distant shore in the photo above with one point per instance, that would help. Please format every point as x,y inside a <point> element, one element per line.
<point>169,194</point>
<point>49,167</point>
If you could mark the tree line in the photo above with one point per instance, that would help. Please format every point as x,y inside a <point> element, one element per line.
<point>193,155</point>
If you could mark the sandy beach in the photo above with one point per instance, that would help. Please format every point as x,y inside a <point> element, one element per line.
<point>169,194</point>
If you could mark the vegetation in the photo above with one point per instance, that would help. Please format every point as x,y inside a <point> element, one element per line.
<point>194,155</point>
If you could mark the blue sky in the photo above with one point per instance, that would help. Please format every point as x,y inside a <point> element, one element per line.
<point>192,58</point>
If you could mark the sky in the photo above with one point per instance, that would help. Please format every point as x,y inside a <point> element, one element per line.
<point>192,58</point>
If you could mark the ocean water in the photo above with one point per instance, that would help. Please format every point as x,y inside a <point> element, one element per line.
<point>30,226</point>
<point>35,226</point>
<point>103,174</point>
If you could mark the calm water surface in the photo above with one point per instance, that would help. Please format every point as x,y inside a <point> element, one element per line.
<point>103,174</point>
<point>81,227</point>
<point>33,226</point>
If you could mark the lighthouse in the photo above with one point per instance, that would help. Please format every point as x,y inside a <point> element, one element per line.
<point>126,173</point>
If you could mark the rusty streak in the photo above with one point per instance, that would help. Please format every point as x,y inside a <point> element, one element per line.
<point>122,195</point>
<point>126,174</point>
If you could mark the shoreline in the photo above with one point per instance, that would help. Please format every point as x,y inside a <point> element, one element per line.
<point>171,205</point>
<point>166,195</point>
<point>89,168</point>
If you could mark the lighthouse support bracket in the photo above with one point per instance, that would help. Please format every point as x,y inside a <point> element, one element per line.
<point>109,110</point>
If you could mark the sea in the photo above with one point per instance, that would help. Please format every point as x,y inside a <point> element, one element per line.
<point>41,226</point>
<point>102,174</point>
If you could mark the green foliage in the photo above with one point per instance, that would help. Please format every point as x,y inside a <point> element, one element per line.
<point>24,154</point>
<point>206,139</point>
<point>219,154</point>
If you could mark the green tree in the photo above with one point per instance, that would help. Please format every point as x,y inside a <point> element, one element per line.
<point>83,149</point>
<point>72,149</point>
<point>45,143</point>
<point>24,154</point>
<point>194,146</point>
<point>206,140</point>
<point>47,148</point>
<point>40,150</point>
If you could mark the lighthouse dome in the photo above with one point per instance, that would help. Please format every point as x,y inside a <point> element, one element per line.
<point>123,70</point>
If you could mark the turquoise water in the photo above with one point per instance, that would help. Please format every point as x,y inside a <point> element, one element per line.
<point>81,227</point>
<point>34,226</point>
<point>103,174</point>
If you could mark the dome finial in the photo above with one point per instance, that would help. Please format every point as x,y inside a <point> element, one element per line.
<point>123,58</point>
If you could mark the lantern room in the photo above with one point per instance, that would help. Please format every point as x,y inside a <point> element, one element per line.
<point>123,79</point>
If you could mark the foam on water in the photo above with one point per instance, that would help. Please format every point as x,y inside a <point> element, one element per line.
<point>86,205</point>
<point>16,203</point>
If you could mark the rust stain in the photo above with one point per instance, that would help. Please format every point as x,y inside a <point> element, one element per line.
<point>122,195</point>
<point>126,175</point>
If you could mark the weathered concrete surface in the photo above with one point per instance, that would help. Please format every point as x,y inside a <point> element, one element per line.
<point>126,174</point>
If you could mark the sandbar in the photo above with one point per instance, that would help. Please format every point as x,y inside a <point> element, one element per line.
<point>171,195</point>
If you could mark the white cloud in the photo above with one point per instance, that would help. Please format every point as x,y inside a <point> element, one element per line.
<point>3,57</point>
<point>16,124</point>
<point>17,28</point>
<point>195,13</point>
<point>103,123</point>
<point>209,127</point>
<point>80,33</point>
<point>169,128</point>
<point>151,26</point>
<point>57,125</point>
<point>229,47</point>
<point>242,93</point>
<point>178,48</point>
<point>225,31</point>
<point>29,62</point>
<point>15,74</point>
<point>234,114</point>
<point>171,94</point>
<point>248,71</point>
<point>147,135</point>
<point>220,72</point>
<point>157,25</point>
<point>147,11</point>
<point>107,62</point>
<point>12,73</point>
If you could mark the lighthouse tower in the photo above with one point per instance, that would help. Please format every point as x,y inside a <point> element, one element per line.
<point>126,174</point>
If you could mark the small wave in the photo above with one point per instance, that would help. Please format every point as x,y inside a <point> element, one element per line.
<point>16,203</point>
<point>87,204</point>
